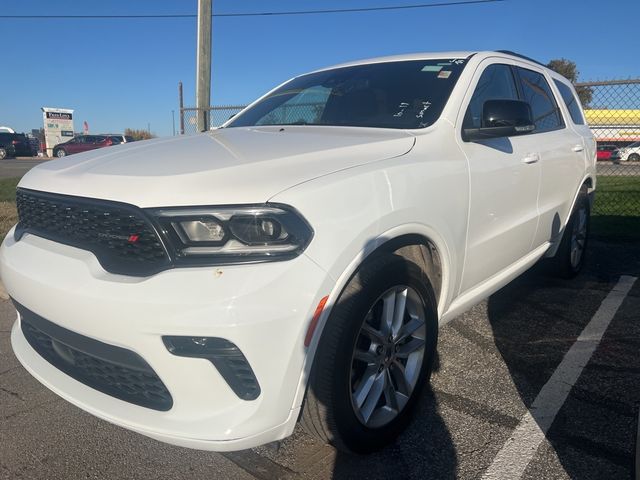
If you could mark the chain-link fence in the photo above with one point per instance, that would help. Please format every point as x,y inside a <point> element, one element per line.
<point>612,109</point>
<point>216,116</point>
<point>613,113</point>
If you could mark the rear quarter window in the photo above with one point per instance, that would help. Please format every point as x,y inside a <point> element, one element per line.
<point>571,102</point>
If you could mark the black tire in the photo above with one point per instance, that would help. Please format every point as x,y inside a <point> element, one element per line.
<point>61,152</point>
<point>634,157</point>
<point>328,412</point>
<point>3,154</point>
<point>563,264</point>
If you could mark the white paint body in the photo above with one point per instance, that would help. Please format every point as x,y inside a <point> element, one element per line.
<point>489,216</point>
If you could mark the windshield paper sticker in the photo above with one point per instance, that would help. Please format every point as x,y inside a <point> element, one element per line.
<point>444,74</point>
<point>432,68</point>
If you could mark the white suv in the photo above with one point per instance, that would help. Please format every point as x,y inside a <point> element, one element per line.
<point>210,291</point>
<point>631,153</point>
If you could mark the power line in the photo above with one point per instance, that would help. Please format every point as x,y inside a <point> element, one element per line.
<point>255,14</point>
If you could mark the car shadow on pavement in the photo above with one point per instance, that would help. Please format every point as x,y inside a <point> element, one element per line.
<point>535,321</point>
<point>424,451</point>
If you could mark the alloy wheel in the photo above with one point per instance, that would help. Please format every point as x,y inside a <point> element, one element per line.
<point>579,237</point>
<point>388,356</point>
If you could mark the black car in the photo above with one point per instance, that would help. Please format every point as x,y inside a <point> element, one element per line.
<point>34,143</point>
<point>14,145</point>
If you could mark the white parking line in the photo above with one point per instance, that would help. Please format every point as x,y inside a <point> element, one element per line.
<point>512,460</point>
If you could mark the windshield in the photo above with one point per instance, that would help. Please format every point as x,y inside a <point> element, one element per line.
<point>407,94</point>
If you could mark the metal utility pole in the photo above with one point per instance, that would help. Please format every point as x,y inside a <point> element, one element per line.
<point>181,103</point>
<point>203,64</point>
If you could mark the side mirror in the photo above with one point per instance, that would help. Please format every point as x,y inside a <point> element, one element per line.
<point>502,118</point>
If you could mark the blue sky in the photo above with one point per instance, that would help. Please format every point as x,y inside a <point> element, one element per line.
<point>124,72</point>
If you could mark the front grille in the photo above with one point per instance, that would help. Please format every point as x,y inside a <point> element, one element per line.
<point>119,235</point>
<point>116,371</point>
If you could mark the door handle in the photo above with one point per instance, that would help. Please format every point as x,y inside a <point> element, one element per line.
<point>531,158</point>
<point>578,148</point>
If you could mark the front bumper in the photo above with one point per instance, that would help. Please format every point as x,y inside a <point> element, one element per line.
<point>264,309</point>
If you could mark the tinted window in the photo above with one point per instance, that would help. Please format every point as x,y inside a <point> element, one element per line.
<point>408,94</point>
<point>570,101</point>
<point>128,138</point>
<point>496,83</point>
<point>536,91</point>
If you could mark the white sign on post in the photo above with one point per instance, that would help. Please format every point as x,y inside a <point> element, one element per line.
<point>58,127</point>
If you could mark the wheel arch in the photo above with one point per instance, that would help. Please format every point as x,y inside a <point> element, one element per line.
<point>588,186</point>
<point>418,244</point>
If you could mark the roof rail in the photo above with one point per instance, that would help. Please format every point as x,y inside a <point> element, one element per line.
<point>509,52</point>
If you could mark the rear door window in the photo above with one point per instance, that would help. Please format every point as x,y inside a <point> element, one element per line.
<point>571,102</point>
<point>537,92</point>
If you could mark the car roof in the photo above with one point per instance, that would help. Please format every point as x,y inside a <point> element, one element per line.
<point>458,54</point>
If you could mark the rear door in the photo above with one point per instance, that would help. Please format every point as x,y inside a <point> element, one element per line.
<point>561,154</point>
<point>98,141</point>
<point>74,145</point>
<point>504,180</point>
<point>89,143</point>
<point>569,98</point>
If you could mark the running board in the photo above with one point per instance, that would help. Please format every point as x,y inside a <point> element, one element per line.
<point>478,293</point>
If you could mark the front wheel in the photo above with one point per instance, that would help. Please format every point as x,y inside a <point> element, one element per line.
<point>3,154</point>
<point>60,153</point>
<point>374,356</point>
<point>634,157</point>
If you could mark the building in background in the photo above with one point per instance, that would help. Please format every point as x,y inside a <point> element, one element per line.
<point>58,127</point>
<point>616,127</point>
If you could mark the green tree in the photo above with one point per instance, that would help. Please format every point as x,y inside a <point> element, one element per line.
<point>139,134</point>
<point>569,70</point>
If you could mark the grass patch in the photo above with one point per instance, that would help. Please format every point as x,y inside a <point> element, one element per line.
<point>8,212</point>
<point>618,196</point>
<point>616,212</point>
<point>8,217</point>
<point>8,189</point>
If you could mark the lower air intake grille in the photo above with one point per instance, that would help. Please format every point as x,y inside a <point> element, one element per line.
<point>115,371</point>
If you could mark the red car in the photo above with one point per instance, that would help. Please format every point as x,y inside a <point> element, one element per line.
<point>604,152</point>
<point>82,143</point>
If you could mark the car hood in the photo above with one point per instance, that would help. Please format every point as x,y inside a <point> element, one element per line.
<point>225,166</point>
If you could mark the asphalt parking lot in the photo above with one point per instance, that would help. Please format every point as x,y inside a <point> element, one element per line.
<point>17,167</point>
<point>493,363</point>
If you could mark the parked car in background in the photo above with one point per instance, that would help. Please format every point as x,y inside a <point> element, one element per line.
<point>14,145</point>
<point>631,153</point>
<point>34,143</point>
<point>121,138</point>
<point>604,151</point>
<point>210,291</point>
<point>82,143</point>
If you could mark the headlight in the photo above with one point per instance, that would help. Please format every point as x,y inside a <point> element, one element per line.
<point>223,235</point>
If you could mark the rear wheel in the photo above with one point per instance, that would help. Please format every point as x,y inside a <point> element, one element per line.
<point>60,153</point>
<point>634,157</point>
<point>3,154</point>
<point>570,257</point>
<point>374,356</point>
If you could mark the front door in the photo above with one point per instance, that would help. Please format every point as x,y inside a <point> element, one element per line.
<point>503,185</point>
